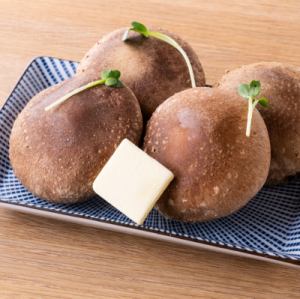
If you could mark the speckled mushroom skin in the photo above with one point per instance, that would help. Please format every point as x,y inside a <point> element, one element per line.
<point>153,69</point>
<point>57,154</point>
<point>199,134</point>
<point>281,85</point>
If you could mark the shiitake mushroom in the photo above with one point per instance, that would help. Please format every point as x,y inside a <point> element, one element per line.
<point>153,69</point>
<point>199,134</point>
<point>57,154</point>
<point>281,85</point>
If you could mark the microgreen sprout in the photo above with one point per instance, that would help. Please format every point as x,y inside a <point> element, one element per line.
<point>251,92</point>
<point>145,32</point>
<point>109,78</point>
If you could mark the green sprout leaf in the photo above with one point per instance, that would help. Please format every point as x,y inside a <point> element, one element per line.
<point>250,92</point>
<point>139,28</point>
<point>263,102</point>
<point>108,78</point>
<point>111,78</point>
<point>254,88</point>
<point>110,74</point>
<point>244,91</point>
<point>111,82</point>
<point>116,74</point>
<point>105,74</point>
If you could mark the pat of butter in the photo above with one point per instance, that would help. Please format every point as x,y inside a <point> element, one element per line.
<point>132,181</point>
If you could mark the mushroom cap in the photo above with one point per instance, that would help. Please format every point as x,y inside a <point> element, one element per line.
<point>199,134</point>
<point>153,69</point>
<point>281,85</point>
<point>57,154</point>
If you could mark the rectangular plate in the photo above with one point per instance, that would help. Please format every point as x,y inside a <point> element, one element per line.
<point>268,228</point>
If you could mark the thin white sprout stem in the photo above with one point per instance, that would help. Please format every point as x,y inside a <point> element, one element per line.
<point>251,107</point>
<point>74,92</point>
<point>173,43</point>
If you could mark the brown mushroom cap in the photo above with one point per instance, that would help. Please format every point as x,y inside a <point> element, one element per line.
<point>57,154</point>
<point>199,134</point>
<point>153,69</point>
<point>281,85</point>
